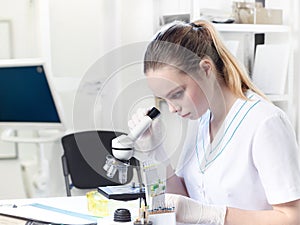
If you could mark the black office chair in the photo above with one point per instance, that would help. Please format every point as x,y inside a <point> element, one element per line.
<point>84,157</point>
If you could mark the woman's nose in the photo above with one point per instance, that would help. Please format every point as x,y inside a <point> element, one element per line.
<point>173,108</point>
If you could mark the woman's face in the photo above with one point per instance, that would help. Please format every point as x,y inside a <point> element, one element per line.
<point>182,92</point>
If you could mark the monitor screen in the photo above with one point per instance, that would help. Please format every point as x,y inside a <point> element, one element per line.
<point>26,98</point>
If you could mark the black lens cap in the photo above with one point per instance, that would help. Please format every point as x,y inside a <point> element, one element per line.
<point>122,215</point>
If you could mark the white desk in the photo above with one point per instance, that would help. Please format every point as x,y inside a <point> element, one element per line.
<point>73,206</point>
<point>74,210</point>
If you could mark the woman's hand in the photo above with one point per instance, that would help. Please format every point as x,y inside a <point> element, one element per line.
<point>150,144</point>
<point>193,212</point>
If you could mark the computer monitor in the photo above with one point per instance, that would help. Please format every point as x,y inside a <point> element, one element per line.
<point>27,99</point>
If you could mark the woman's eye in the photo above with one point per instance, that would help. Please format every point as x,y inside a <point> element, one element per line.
<point>177,94</point>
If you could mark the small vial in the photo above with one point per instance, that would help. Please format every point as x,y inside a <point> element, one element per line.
<point>123,169</point>
<point>109,161</point>
<point>111,171</point>
<point>110,166</point>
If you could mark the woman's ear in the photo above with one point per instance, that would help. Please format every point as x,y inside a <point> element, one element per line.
<point>205,65</point>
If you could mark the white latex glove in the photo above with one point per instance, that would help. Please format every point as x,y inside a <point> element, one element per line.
<point>149,145</point>
<point>193,212</point>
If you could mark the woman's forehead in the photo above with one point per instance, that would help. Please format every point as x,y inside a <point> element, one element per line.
<point>164,80</point>
<point>165,76</point>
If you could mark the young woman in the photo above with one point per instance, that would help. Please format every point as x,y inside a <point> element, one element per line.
<point>240,162</point>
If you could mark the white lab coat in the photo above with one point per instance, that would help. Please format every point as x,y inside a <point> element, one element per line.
<point>253,161</point>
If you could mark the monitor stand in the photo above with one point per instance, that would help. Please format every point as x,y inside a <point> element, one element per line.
<point>9,135</point>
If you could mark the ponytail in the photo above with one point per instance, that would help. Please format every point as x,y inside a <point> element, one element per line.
<point>235,76</point>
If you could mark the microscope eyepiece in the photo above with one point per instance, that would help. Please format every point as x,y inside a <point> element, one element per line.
<point>153,113</point>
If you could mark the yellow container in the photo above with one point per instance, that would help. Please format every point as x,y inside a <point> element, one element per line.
<point>97,204</point>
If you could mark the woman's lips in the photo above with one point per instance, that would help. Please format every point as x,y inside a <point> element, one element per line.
<point>185,115</point>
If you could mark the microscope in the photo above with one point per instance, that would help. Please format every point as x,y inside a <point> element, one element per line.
<point>122,153</point>
<point>123,148</point>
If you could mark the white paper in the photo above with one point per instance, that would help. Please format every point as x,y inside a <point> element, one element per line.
<point>120,189</point>
<point>271,67</point>
<point>48,214</point>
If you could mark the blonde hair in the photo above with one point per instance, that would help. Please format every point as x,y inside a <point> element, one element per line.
<point>183,45</point>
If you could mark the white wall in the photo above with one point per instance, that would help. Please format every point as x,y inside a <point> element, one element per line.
<point>82,33</point>
<point>24,26</point>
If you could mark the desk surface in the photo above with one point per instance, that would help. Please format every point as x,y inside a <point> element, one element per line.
<point>76,204</point>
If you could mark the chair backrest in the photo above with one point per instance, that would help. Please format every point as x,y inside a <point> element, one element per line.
<point>85,155</point>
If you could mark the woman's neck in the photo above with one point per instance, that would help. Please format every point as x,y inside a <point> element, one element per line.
<point>221,103</point>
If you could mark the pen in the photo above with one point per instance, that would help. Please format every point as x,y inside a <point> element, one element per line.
<point>36,223</point>
<point>9,205</point>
